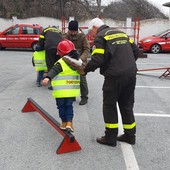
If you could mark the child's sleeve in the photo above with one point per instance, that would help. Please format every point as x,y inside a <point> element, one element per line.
<point>33,61</point>
<point>56,69</point>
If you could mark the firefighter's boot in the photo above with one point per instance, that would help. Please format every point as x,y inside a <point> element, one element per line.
<point>126,138</point>
<point>106,141</point>
<point>69,127</point>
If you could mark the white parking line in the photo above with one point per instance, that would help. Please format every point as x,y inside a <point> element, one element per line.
<point>152,115</point>
<point>129,156</point>
<point>167,64</point>
<point>154,87</point>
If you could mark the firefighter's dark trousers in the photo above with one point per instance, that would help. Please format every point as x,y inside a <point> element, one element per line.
<point>119,90</point>
<point>83,87</point>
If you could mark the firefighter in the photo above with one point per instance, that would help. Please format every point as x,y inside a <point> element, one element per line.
<point>83,47</point>
<point>65,83</point>
<point>48,40</point>
<point>115,54</point>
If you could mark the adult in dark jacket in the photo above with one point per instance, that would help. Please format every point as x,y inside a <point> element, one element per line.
<point>83,48</point>
<point>49,39</point>
<point>115,54</point>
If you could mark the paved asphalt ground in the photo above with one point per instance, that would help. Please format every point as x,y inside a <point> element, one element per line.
<point>29,142</point>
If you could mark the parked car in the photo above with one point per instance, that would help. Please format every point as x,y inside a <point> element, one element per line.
<point>20,36</point>
<point>89,37</point>
<point>156,43</point>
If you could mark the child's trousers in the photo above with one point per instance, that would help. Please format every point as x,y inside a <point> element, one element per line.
<point>65,107</point>
<point>40,76</point>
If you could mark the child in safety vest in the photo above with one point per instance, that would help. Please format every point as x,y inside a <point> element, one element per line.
<point>65,82</point>
<point>40,65</point>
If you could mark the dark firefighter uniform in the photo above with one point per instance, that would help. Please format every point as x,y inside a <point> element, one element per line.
<point>49,40</point>
<point>115,54</point>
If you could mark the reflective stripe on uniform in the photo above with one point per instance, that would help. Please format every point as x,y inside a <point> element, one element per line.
<point>66,77</point>
<point>120,42</point>
<point>113,36</point>
<point>111,125</point>
<point>52,29</point>
<point>66,93</point>
<point>41,66</point>
<point>65,82</point>
<point>66,87</point>
<point>39,61</point>
<point>98,50</point>
<point>131,41</point>
<point>129,126</point>
<point>42,36</point>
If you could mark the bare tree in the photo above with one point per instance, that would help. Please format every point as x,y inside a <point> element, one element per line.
<point>98,7</point>
<point>132,8</point>
<point>80,9</point>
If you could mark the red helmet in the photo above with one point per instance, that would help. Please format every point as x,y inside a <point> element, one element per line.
<point>65,47</point>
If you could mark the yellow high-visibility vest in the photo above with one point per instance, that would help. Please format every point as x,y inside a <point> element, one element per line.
<point>66,83</point>
<point>39,60</point>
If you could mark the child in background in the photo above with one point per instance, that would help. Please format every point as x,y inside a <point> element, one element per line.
<point>40,65</point>
<point>65,82</point>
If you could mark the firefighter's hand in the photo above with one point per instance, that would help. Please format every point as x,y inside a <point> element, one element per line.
<point>45,81</point>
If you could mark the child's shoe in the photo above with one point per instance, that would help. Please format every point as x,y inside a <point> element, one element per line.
<point>63,125</point>
<point>69,127</point>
